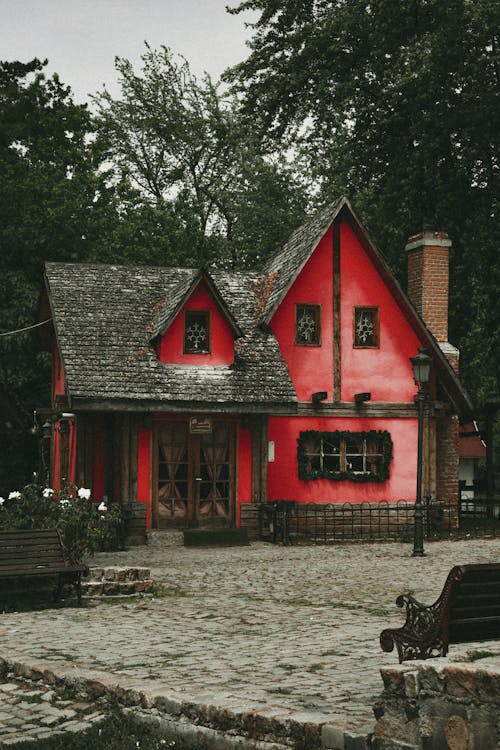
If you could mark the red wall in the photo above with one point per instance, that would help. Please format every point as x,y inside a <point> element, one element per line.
<point>386,372</point>
<point>144,471</point>
<point>57,374</point>
<point>244,485</point>
<point>222,342</point>
<point>311,367</point>
<point>283,481</point>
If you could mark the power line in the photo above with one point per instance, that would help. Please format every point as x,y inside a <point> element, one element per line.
<point>28,328</point>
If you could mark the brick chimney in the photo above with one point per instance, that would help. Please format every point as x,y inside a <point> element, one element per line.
<point>428,285</point>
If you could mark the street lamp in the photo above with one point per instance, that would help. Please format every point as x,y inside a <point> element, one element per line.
<point>421,364</point>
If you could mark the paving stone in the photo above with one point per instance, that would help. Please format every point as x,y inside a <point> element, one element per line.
<point>281,631</point>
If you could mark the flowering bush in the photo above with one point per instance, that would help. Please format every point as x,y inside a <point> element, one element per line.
<point>85,528</point>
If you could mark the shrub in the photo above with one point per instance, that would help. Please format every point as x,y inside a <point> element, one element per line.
<point>85,527</point>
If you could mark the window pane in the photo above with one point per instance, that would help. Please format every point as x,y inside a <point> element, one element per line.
<point>196,332</point>
<point>307,325</point>
<point>366,327</point>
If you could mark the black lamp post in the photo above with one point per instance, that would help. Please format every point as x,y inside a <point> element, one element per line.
<point>421,364</point>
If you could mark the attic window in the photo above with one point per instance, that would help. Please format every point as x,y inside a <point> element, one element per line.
<point>307,325</point>
<point>197,332</point>
<point>366,333</point>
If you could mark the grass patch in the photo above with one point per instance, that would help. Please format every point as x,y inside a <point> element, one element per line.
<point>167,592</point>
<point>32,698</point>
<point>116,732</point>
<point>476,654</point>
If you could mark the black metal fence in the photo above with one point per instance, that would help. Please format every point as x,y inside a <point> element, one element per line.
<point>288,522</point>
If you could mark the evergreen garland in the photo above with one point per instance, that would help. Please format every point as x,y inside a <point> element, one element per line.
<point>384,444</point>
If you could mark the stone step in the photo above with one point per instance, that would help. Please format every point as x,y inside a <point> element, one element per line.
<point>117,588</point>
<point>118,574</point>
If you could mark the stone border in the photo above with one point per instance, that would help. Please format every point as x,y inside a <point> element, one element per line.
<point>206,724</point>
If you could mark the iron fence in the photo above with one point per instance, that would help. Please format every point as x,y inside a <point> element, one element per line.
<point>288,522</point>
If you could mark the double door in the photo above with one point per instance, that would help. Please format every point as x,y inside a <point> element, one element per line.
<point>194,475</point>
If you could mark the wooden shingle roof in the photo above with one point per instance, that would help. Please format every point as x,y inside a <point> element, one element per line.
<point>104,317</point>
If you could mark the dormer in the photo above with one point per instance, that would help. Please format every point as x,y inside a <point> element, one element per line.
<point>195,326</point>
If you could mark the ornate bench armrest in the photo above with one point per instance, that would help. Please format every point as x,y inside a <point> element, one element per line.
<point>421,635</point>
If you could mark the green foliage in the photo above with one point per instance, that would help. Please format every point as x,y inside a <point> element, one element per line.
<point>85,528</point>
<point>395,104</point>
<point>184,145</point>
<point>116,732</point>
<point>59,203</point>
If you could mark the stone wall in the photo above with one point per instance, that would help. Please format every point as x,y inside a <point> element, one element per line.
<point>440,706</point>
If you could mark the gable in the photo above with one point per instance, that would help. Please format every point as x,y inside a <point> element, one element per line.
<point>104,316</point>
<point>171,346</point>
<point>383,370</point>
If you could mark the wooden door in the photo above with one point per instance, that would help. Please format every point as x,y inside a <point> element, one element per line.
<point>195,476</point>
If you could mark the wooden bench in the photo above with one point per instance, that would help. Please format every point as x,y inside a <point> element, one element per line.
<point>39,552</point>
<point>468,609</point>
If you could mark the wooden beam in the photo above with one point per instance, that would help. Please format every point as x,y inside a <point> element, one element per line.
<point>125,458</point>
<point>256,458</point>
<point>349,409</point>
<point>133,456</point>
<point>264,447</point>
<point>191,407</point>
<point>337,360</point>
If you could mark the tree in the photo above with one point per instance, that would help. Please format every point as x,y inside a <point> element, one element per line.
<point>57,203</point>
<point>395,104</point>
<point>183,144</point>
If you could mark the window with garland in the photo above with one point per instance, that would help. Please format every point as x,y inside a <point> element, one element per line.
<point>197,332</point>
<point>358,456</point>
<point>307,325</point>
<point>366,328</point>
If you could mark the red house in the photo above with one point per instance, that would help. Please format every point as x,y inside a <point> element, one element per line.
<point>199,392</point>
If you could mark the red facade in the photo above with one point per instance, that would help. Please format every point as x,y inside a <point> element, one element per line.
<point>343,327</point>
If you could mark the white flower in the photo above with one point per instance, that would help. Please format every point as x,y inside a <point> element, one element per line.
<point>14,495</point>
<point>84,494</point>
<point>2,500</point>
<point>48,492</point>
<point>64,501</point>
<point>102,507</point>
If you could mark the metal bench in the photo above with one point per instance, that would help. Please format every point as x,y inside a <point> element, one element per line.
<point>28,553</point>
<point>467,610</point>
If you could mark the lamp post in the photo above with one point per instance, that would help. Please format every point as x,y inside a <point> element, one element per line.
<point>421,364</point>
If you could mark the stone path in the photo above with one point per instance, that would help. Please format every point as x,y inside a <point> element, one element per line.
<point>31,713</point>
<point>289,633</point>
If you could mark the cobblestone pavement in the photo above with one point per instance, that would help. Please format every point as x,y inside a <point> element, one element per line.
<point>282,631</point>
<point>31,713</point>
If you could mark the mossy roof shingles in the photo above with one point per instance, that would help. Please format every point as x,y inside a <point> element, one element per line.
<point>104,316</point>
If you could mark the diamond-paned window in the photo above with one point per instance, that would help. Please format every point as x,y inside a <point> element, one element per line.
<point>366,327</point>
<point>197,332</point>
<point>307,325</point>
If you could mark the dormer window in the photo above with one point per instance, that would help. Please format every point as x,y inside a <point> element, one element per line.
<point>307,325</point>
<point>197,332</point>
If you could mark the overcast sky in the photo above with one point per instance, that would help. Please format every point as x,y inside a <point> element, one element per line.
<point>80,38</point>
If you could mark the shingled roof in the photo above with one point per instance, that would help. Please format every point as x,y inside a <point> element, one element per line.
<point>181,293</point>
<point>104,317</point>
<point>286,264</point>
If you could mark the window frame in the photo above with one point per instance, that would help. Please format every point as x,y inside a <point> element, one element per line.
<point>316,308</point>
<point>376,325</point>
<point>208,325</point>
<point>384,454</point>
